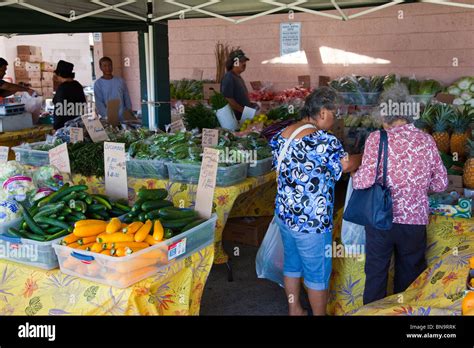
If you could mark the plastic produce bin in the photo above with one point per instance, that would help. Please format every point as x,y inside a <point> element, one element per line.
<point>122,272</point>
<point>29,252</point>
<point>262,167</point>
<point>189,173</point>
<point>147,169</point>
<point>28,156</point>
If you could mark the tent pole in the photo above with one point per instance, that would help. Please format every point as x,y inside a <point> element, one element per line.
<point>152,94</point>
<point>148,79</point>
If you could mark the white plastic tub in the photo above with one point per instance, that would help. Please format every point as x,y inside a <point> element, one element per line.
<point>122,272</point>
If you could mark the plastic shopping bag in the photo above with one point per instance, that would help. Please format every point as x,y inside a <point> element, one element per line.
<point>33,105</point>
<point>351,234</point>
<point>269,261</point>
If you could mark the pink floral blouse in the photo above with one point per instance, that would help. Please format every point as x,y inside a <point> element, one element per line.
<point>414,169</point>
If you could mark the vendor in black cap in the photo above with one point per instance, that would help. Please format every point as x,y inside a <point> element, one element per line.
<point>6,88</point>
<point>233,85</point>
<point>69,101</point>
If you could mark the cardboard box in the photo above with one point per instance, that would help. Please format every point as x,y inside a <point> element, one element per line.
<point>47,75</point>
<point>47,92</point>
<point>209,88</point>
<point>47,66</point>
<point>28,50</point>
<point>249,231</point>
<point>304,81</point>
<point>30,58</point>
<point>47,83</point>
<point>445,98</point>
<point>33,83</point>
<point>455,184</point>
<point>23,74</point>
<point>28,66</point>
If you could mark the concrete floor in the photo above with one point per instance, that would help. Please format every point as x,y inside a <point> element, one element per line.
<point>246,295</point>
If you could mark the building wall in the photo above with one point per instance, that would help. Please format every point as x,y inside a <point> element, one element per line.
<point>423,43</point>
<point>75,49</point>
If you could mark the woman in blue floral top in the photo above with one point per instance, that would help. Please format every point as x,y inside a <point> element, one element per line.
<point>309,169</point>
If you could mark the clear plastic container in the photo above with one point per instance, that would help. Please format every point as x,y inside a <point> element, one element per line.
<point>147,169</point>
<point>5,226</point>
<point>122,272</point>
<point>27,156</point>
<point>189,173</point>
<point>29,252</point>
<point>262,167</point>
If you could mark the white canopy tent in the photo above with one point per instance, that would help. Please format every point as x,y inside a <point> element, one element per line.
<point>149,12</point>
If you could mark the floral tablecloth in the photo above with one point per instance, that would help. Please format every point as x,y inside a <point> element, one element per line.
<point>252,197</point>
<point>437,291</point>
<point>175,290</point>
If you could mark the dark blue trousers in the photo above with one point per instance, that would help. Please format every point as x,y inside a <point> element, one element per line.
<point>408,242</point>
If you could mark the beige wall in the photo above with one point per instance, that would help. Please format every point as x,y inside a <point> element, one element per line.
<point>423,43</point>
<point>122,48</point>
<point>75,49</point>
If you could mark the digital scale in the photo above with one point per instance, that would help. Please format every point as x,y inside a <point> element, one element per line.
<point>11,109</point>
<point>13,123</point>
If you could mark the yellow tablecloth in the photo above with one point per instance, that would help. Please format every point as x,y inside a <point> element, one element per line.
<point>174,290</point>
<point>29,135</point>
<point>252,197</point>
<point>437,291</point>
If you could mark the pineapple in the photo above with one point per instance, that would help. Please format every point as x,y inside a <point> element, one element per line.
<point>440,123</point>
<point>460,121</point>
<point>424,122</point>
<point>468,176</point>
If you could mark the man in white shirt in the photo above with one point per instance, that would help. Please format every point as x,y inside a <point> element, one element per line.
<point>110,87</point>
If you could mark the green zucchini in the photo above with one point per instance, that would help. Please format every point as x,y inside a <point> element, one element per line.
<point>53,195</point>
<point>192,225</point>
<point>122,206</point>
<point>152,215</point>
<point>117,212</point>
<point>152,194</point>
<point>67,191</point>
<point>71,196</point>
<point>57,235</point>
<point>79,215</point>
<point>54,229</point>
<point>137,206</point>
<point>177,224</point>
<point>56,223</point>
<point>142,217</point>
<point>154,205</point>
<point>95,208</point>
<point>172,213</point>
<point>101,200</point>
<point>14,232</point>
<point>168,233</point>
<point>33,236</point>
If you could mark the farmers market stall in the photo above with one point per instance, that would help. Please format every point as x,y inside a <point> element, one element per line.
<point>174,290</point>
<point>16,138</point>
<point>439,290</point>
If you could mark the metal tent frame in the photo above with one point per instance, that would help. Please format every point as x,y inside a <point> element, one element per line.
<point>118,9</point>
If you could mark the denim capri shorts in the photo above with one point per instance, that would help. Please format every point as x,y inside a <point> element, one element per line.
<point>306,256</point>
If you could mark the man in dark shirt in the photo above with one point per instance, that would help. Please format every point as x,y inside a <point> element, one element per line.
<point>233,85</point>
<point>69,101</point>
<point>6,88</point>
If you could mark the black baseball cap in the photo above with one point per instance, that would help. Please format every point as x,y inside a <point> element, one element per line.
<point>238,54</point>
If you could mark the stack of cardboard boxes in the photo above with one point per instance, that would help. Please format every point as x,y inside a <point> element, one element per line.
<point>33,72</point>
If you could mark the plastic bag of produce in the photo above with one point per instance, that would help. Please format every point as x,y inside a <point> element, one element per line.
<point>227,118</point>
<point>269,261</point>
<point>9,210</point>
<point>19,187</point>
<point>351,234</point>
<point>48,176</point>
<point>9,169</point>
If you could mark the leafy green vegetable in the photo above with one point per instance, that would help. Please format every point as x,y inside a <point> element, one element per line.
<point>217,101</point>
<point>200,116</point>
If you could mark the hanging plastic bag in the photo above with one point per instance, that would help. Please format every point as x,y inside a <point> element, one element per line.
<point>33,105</point>
<point>269,261</point>
<point>351,234</point>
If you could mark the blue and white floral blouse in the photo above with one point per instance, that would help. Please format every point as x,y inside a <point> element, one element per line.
<point>308,174</point>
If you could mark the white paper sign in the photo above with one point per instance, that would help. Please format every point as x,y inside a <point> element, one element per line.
<point>76,135</point>
<point>59,157</point>
<point>210,137</point>
<point>290,38</point>
<point>177,126</point>
<point>4,154</point>
<point>95,129</point>
<point>116,185</point>
<point>248,114</point>
<point>207,182</point>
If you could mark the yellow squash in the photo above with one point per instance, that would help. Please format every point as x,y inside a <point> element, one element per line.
<point>143,231</point>
<point>113,226</point>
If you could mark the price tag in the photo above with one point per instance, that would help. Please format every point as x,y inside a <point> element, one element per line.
<point>76,134</point>
<point>210,137</point>
<point>95,129</point>
<point>177,126</point>
<point>176,249</point>
<point>116,185</point>
<point>59,157</point>
<point>207,182</point>
<point>248,114</point>
<point>4,154</point>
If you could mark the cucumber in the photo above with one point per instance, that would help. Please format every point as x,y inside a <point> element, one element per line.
<point>88,199</point>
<point>14,232</point>
<point>192,225</point>
<point>103,214</point>
<point>56,223</point>
<point>67,191</point>
<point>152,215</point>
<point>154,205</point>
<point>101,200</point>
<point>79,215</point>
<point>132,215</point>
<point>66,199</point>
<point>82,196</point>
<point>177,224</point>
<point>32,223</point>
<point>137,206</point>
<point>95,208</point>
<point>168,233</point>
<point>117,212</point>
<point>142,217</point>
<point>127,219</point>
<point>28,235</point>
<point>53,230</point>
<point>57,235</point>
<point>53,195</point>
<point>152,194</point>
<point>51,208</point>
<point>172,213</point>
<point>61,218</point>
<point>122,206</point>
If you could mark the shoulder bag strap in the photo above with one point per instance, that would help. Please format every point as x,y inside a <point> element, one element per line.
<point>383,148</point>
<point>293,135</point>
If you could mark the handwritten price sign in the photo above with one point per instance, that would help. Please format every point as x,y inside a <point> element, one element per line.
<point>116,185</point>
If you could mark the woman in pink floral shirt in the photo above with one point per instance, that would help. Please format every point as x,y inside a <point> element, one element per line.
<point>414,169</point>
